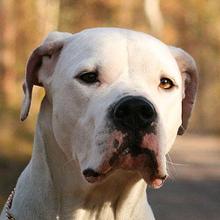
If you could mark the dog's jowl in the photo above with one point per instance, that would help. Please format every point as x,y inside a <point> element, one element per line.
<point>115,100</point>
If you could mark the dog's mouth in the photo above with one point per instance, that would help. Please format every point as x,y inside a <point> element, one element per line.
<point>130,152</point>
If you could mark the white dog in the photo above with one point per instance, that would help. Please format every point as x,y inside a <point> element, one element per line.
<point>115,101</point>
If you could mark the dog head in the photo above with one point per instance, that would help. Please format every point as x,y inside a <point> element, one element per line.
<point>119,99</point>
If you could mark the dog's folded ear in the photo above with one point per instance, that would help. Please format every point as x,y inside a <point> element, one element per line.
<point>190,76</point>
<point>51,46</point>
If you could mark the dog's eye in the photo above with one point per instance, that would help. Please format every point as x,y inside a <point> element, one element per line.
<point>166,83</point>
<point>89,77</point>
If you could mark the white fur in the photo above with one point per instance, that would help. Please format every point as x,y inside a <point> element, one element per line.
<point>72,120</point>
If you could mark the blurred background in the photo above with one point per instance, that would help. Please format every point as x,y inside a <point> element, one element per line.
<point>193,192</point>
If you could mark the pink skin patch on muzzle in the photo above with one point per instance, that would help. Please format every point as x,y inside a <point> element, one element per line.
<point>150,141</point>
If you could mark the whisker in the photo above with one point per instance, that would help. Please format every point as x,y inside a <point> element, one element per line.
<point>176,164</point>
<point>171,168</point>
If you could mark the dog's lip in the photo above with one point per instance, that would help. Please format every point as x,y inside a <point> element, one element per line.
<point>147,172</point>
<point>155,181</point>
<point>92,177</point>
<point>133,152</point>
<point>158,182</point>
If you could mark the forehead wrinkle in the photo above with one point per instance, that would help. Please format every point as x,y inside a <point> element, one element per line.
<point>127,58</point>
<point>112,58</point>
<point>140,50</point>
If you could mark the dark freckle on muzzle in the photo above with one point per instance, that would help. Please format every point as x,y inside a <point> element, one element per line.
<point>133,113</point>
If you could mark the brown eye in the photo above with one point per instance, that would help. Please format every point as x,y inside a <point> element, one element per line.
<point>166,83</point>
<point>89,77</point>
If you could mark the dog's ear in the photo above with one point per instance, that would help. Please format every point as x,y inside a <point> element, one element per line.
<point>40,57</point>
<point>190,77</point>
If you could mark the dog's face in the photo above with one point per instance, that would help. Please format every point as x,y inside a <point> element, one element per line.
<point>117,102</point>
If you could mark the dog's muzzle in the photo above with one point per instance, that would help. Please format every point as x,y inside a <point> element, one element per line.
<point>134,142</point>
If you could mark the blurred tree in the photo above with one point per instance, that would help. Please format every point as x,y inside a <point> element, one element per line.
<point>154,15</point>
<point>48,12</point>
<point>193,25</point>
<point>7,49</point>
<point>77,15</point>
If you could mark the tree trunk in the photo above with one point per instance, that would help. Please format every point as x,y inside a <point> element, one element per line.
<point>7,49</point>
<point>48,15</point>
<point>154,15</point>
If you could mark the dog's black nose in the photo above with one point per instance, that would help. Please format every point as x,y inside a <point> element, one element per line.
<point>134,112</point>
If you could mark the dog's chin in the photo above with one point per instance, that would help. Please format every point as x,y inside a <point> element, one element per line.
<point>133,158</point>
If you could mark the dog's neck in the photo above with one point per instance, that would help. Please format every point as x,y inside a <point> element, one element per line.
<point>73,197</point>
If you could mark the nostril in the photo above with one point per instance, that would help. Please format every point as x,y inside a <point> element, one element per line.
<point>119,113</point>
<point>147,112</point>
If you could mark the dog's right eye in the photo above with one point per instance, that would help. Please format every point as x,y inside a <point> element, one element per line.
<point>89,77</point>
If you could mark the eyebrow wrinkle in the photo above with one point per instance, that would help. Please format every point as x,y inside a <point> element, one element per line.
<point>127,49</point>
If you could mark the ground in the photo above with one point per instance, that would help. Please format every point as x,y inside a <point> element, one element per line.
<point>192,192</point>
